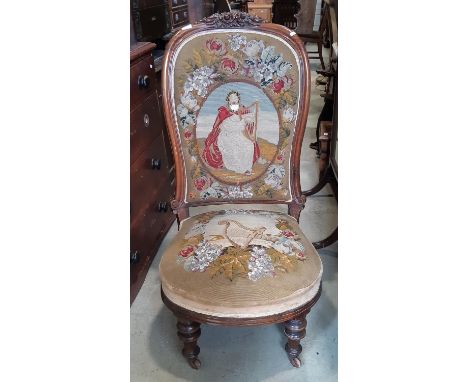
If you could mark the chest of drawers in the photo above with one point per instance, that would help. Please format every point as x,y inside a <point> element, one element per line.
<point>151,165</point>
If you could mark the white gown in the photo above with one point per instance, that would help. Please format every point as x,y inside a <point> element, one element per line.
<point>237,150</point>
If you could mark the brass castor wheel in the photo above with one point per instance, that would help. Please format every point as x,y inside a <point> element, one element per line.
<point>194,363</point>
<point>296,362</point>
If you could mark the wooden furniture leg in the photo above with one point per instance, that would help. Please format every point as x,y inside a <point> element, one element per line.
<point>295,330</point>
<point>189,332</point>
<point>327,241</point>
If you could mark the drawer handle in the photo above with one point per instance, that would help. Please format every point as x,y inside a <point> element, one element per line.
<point>134,257</point>
<point>146,120</point>
<point>163,206</point>
<point>155,164</point>
<point>143,82</point>
<point>153,18</point>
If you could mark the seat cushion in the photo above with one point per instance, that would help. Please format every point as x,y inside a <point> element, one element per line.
<point>240,263</point>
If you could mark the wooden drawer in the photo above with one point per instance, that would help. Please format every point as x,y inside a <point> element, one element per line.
<point>149,228</point>
<point>146,123</point>
<point>180,16</point>
<point>142,70</point>
<point>146,233</point>
<point>151,23</point>
<point>149,178</point>
<point>178,3</point>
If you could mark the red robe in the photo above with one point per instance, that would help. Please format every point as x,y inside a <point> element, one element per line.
<point>211,153</point>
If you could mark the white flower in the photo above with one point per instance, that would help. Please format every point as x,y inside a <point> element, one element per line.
<point>267,75</point>
<point>282,247</point>
<point>288,114</point>
<point>275,174</point>
<point>236,192</point>
<point>288,246</point>
<point>214,191</point>
<point>268,54</point>
<point>283,69</point>
<point>182,111</point>
<point>258,75</point>
<point>236,40</point>
<point>189,101</point>
<point>253,48</point>
<point>189,120</point>
<point>205,254</point>
<point>260,264</point>
<point>199,80</point>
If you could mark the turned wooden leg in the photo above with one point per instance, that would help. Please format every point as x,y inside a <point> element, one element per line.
<point>189,331</point>
<point>295,330</point>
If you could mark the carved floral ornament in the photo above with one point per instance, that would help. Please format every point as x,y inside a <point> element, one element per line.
<point>241,251</point>
<point>224,59</point>
<point>232,20</point>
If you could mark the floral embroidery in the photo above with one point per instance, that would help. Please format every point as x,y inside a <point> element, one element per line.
<point>216,46</point>
<point>199,80</point>
<point>288,114</point>
<point>281,251</point>
<point>236,41</point>
<point>275,174</point>
<point>219,61</point>
<point>186,251</point>
<point>205,254</point>
<point>260,264</point>
<point>201,183</point>
<point>229,65</point>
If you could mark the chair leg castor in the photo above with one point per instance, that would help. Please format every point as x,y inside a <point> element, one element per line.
<point>189,332</point>
<point>295,330</point>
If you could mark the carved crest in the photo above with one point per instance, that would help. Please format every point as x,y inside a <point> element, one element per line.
<point>233,19</point>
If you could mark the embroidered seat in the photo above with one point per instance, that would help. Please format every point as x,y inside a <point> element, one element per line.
<point>236,99</point>
<point>240,263</point>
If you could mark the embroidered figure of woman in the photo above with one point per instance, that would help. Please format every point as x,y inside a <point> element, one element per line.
<point>232,142</point>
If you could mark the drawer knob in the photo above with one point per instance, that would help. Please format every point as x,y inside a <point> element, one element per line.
<point>143,81</point>
<point>134,257</point>
<point>155,164</point>
<point>146,120</point>
<point>163,206</point>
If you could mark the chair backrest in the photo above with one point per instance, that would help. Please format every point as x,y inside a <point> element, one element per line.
<point>236,99</point>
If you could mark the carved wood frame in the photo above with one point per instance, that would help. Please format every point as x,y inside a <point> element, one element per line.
<point>230,20</point>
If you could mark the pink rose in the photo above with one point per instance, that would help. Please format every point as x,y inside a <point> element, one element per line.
<point>229,65</point>
<point>278,85</point>
<point>186,251</point>
<point>283,83</point>
<point>187,134</point>
<point>288,233</point>
<point>215,45</point>
<point>280,157</point>
<point>200,183</point>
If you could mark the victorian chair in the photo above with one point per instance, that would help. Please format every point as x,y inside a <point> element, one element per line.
<point>236,98</point>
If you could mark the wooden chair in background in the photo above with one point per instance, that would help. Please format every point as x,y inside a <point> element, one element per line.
<point>236,99</point>
<point>327,126</point>
<point>305,27</point>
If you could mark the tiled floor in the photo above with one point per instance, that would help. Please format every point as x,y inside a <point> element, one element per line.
<point>246,354</point>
